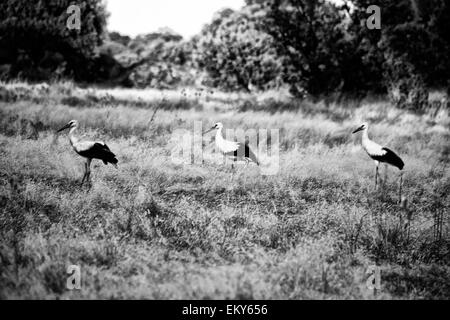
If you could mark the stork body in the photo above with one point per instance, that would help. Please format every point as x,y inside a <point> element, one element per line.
<point>380,154</point>
<point>232,149</point>
<point>89,150</point>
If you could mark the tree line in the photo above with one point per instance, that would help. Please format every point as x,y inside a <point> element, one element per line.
<point>315,47</point>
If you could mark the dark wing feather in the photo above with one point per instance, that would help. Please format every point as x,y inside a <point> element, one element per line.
<point>392,158</point>
<point>243,151</point>
<point>102,152</point>
<point>104,146</point>
<point>106,153</point>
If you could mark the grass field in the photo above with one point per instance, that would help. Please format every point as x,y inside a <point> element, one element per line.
<point>159,230</point>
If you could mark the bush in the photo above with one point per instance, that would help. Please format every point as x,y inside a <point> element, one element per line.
<point>236,53</point>
<point>34,38</point>
<point>407,90</point>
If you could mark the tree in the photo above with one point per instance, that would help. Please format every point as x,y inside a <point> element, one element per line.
<point>35,40</point>
<point>236,53</point>
<point>411,50</point>
<point>413,31</point>
<point>169,59</point>
<point>312,35</point>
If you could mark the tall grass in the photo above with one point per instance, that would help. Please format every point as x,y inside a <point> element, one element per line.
<point>155,229</point>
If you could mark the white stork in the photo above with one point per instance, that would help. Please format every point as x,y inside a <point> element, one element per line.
<point>89,150</point>
<point>235,150</point>
<point>380,154</point>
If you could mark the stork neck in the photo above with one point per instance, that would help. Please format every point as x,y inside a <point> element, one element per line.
<point>365,136</point>
<point>219,135</point>
<point>72,137</point>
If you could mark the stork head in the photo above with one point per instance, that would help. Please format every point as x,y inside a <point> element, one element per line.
<point>70,124</point>
<point>362,127</point>
<point>217,126</point>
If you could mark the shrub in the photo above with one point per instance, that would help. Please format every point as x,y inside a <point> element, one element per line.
<point>34,38</point>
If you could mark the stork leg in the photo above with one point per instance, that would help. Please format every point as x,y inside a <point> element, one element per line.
<point>400,187</point>
<point>385,174</point>
<point>88,172</point>
<point>85,174</point>
<point>376,177</point>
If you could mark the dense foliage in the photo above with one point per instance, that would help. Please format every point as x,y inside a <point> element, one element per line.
<point>315,48</point>
<point>410,52</point>
<point>236,53</point>
<point>321,48</point>
<point>35,42</point>
<point>312,34</point>
<point>160,59</point>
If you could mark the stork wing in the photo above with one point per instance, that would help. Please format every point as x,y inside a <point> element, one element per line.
<point>102,152</point>
<point>249,154</point>
<point>393,159</point>
<point>96,150</point>
<point>103,149</point>
<point>243,151</point>
<point>101,145</point>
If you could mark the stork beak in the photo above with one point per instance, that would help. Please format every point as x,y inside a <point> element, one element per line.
<point>359,129</point>
<point>63,128</point>
<point>205,132</point>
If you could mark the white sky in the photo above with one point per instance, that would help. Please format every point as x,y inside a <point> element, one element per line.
<point>186,17</point>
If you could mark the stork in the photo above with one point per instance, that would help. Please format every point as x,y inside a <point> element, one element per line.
<point>89,150</point>
<point>235,150</point>
<point>380,154</point>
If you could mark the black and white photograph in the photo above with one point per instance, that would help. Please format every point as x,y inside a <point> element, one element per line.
<point>224,150</point>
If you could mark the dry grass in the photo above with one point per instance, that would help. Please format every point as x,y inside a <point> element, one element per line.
<point>154,229</point>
